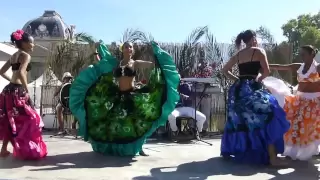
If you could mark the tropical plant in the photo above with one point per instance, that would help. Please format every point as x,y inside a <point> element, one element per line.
<point>216,54</point>
<point>187,53</point>
<point>136,35</point>
<point>72,55</point>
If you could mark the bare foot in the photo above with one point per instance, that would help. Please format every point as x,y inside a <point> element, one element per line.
<point>142,153</point>
<point>4,154</point>
<point>278,162</point>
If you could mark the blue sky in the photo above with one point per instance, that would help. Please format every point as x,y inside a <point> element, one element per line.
<point>166,20</point>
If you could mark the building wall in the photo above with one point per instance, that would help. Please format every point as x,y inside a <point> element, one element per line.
<point>37,70</point>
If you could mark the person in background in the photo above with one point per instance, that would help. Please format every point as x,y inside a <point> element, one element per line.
<point>59,108</point>
<point>184,108</point>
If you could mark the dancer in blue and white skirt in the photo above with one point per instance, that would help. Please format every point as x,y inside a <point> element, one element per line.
<point>255,123</point>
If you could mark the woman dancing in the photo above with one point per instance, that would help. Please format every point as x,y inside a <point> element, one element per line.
<point>303,108</point>
<point>255,123</point>
<point>20,124</point>
<point>115,114</point>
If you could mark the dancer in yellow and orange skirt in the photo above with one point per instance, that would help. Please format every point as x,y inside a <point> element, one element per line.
<point>302,107</point>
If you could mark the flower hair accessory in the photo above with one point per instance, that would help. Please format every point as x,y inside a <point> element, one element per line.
<point>18,35</point>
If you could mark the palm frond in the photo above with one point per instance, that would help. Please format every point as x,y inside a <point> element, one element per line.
<point>196,35</point>
<point>71,56</point>
<point>129,35</point>
<point>189,50</point>
<point>134,35</point>
<point>213,49</point>
<point>84,37</point>
<point>144,37</point>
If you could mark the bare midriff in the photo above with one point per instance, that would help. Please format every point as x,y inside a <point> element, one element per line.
<point>15,78</point>
<point>126,83</point>
<point>309,87</point>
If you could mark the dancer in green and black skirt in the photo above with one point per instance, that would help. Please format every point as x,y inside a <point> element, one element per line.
<point>116,115</point>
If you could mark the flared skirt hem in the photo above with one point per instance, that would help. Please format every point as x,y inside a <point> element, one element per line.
<point>303,153</point>
<point>252,146</point>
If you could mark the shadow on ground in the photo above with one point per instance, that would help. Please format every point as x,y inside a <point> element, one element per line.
<point>66,161</point>
<point>218,166</point>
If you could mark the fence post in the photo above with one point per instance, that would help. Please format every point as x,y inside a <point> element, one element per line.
<point>41,96</point>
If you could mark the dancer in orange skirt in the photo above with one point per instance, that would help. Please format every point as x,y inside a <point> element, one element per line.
<point>303,107</point>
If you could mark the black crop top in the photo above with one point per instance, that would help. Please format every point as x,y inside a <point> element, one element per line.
<point>16,66</point>
<point>124,71</point>
<point>250,68</point>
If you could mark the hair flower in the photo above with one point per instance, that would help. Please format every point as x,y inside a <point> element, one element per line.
<point>20,31</point>
<point>18,35</point>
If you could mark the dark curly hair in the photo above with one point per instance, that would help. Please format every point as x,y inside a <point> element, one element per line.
<point>245,36</point>
<point>25,37</point>
<point>310,49</point>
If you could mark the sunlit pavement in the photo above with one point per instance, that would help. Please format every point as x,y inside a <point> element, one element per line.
<point>70,159</point>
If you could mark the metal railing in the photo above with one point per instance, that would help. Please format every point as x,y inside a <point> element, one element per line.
<point>48,101</point>
<point>216,101</point>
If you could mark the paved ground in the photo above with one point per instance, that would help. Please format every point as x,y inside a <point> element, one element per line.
<point>71,159</point>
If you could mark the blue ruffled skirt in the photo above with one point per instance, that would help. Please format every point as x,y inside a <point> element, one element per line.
<point>255,120</point>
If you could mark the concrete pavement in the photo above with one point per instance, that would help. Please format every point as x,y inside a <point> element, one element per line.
<point>71,159</point>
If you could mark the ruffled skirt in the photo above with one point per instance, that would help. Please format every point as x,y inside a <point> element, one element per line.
<point>303,112</point>
<point>21,124</point>
<point>255,121</point>
<point>115,122</point>
<point>121,116</point>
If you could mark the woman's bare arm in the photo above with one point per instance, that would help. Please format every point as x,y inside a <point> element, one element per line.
<point>228,66</point>
<point>4,69</point>
<point>265,70</point>
<point>285,67</point>
<point>24,60</point>
<point>57,91</point>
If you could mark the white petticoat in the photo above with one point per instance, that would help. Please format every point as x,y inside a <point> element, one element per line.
<point>280,90</point>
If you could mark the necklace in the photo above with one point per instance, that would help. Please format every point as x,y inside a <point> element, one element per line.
<point>124,66</point>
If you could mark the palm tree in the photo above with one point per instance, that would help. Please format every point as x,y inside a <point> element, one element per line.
<point>186,55</point>
<point>214,53</point>
<point>72,55</point>
<point>84,38</point>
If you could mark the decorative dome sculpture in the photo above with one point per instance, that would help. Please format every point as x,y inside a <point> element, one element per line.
<point>49,26</point>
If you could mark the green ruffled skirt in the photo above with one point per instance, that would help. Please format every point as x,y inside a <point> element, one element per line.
<point>116,122</point>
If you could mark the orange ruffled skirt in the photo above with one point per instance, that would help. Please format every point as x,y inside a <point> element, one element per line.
<point>303,138</point>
